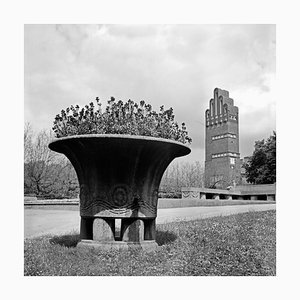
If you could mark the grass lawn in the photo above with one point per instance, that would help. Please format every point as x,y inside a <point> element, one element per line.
<point>236,245</point>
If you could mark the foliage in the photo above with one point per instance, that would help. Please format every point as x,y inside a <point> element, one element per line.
<point>181,174</point>
<point>236,245</point>
<point>50,175</point>
<point>261,167</point>
<point>120,118</point>
<point>47,174</point>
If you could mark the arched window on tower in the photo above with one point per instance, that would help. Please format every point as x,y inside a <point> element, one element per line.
<point>211,108</point>
<point>221,106</point>
<point>215,102</point>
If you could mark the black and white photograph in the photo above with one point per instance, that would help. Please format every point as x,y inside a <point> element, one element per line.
<point>150,150</point>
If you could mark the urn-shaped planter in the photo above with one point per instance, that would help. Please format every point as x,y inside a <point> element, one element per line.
<point>119,177</point>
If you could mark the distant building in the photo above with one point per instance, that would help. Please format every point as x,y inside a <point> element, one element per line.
<point>222,157</point>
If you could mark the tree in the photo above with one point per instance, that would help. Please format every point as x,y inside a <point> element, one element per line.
<point>217,181</point>
<point>261,167</point>
<point>182,174</point>
<point>46,173</point>
<point>37,157</point>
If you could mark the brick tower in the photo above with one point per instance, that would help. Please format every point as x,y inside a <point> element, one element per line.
<point>222,157</point>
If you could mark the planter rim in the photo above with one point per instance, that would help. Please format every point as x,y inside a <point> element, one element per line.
<point>118,136</point>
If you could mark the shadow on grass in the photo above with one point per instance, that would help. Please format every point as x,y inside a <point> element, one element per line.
<point>165,237</point>
<point>71,240</point>
<point>68,240</point>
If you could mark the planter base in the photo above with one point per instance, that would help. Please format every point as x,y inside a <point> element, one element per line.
<point>118,245</point>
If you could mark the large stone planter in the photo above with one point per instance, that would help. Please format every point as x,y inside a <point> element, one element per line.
<point>119,177</point>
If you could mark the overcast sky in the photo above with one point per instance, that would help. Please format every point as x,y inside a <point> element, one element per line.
<point>173,65</point>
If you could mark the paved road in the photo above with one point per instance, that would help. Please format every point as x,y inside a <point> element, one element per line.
<point>43,221</point>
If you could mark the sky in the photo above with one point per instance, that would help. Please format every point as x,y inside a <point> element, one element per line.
<point>176,66</point>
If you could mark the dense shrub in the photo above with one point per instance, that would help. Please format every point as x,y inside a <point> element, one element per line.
<point>120,118</point>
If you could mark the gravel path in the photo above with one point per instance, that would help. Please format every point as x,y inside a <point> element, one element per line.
<point>41,221</point>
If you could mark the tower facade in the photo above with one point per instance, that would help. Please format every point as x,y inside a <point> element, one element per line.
<point>222,157</point>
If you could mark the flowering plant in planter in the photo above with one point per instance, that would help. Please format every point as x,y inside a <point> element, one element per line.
<point>120,118</point>
<point>119,156</point>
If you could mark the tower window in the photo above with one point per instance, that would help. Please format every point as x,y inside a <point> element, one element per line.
<point>222,136</point>
<point>230,154</point>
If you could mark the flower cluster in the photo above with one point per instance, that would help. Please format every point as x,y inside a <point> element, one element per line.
<point>120,118</point>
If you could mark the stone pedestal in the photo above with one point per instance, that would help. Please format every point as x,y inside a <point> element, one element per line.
<point>118,245</point>
<point>135,234</point>
<point>271,197</point>
<point>216,197</point>
<point>253,198</point>
<point>229,197</point>
<point>132,230</point>
<point>103,230</point>
<point>119,177</point>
